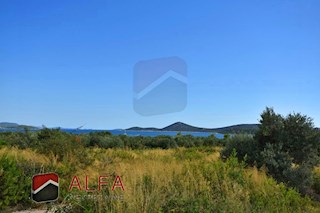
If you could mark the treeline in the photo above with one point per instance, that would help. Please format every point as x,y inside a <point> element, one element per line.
<point>69,153</point>
<point>288,147</point>
<point>60,143</point>
<point>103,139</point>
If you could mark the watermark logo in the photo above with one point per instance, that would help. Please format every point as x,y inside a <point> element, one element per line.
<point>45,187</point>
<point>75,183</point>
<point>160,86</point>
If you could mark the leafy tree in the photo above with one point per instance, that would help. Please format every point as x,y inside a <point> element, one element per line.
<point>270,129</point>
<point>301,139</point>
<point>289,147</point>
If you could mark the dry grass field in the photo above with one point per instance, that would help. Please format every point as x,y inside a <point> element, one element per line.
<point>157,180</point>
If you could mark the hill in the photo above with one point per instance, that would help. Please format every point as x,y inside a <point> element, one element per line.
<point>15,127</point>
<point>8,125</point>
<point>241,128</point>
<point>182,127</point>
<point>179,126</point>
<point>143,129</point>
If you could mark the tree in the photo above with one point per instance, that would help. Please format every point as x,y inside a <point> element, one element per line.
<point>301,139</point>
<point>270,129</point>
<point>289,147</point>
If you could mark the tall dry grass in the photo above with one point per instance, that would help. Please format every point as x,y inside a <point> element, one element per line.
<point>173,180</point>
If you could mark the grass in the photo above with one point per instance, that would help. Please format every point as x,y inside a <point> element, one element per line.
<point>157,180</point>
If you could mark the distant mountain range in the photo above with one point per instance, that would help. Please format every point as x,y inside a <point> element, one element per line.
<point>177,127</point>
<point>182,127</point>
<point>8,125</point>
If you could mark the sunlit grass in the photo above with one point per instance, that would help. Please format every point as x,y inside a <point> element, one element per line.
<point>25,155</point>
<point>176,180</point>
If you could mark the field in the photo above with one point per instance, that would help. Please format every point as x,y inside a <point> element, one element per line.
<point>274,170</point>
<point>154,180</point>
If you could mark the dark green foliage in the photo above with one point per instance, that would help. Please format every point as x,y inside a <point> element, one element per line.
<point>212,141</point>
<point>188,154</point>
<point>101,133</point>
<point>50,140</point>
<point>301,139</point>
<point>226,136</point>
<point>60,144</point>
<point>164,142</point>
<point>19,139</point>
<point>140,142</point>
<point>290,147</point>
<point>3,143</point>
<point>276,161</point>
<point>295,134</point>
<point>185,141</point>
<point>46,134</point>
<point>271,128</point>
<point>134,143</point>
<point>316,183</point>
<point>245,146</point>
<point>105,141</point>
<point>15,185</point>
<point>300,178</point>
<point>287,146</point>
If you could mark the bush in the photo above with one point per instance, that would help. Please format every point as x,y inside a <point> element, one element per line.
<point>185,140</point>
<point>288,141</point>
<point>212,141</point>
<point>277,162</point>
<point>21,140</point>
<point>288,147</point>
<point>300,178</point>
<point>188,154</point>
<point>245,146</point>
<point>105,140</point>
<point>60,144</point>
<point>15,185</point>
<point>163,142</point>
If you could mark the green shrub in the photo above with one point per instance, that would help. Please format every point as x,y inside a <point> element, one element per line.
<point>277,162</point>
<point>316,182</point>
<point>188,154</point>
<point>15,184</point>
<point>106,141</point>
<point>244,145</point>
<point>3,143</point>
<point>288,147</point>
<point>21,140</point>
<point>211,140</point>
<point>60,144</point>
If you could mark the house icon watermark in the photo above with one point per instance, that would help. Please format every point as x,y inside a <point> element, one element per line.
<point>160,86</point>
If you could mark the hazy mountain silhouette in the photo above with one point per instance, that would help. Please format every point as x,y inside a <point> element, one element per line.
<point>182,127</point>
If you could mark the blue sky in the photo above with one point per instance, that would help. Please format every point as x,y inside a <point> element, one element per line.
<point>69,63</point>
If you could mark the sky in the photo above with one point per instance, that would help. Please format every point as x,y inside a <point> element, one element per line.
<point>71,63</point>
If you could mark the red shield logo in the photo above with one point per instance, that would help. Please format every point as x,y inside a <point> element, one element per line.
<point>45,187</point>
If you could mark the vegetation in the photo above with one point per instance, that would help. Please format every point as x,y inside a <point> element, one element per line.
<point>274,170</point>
<point>156,180</point>
<point>287,146</point>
